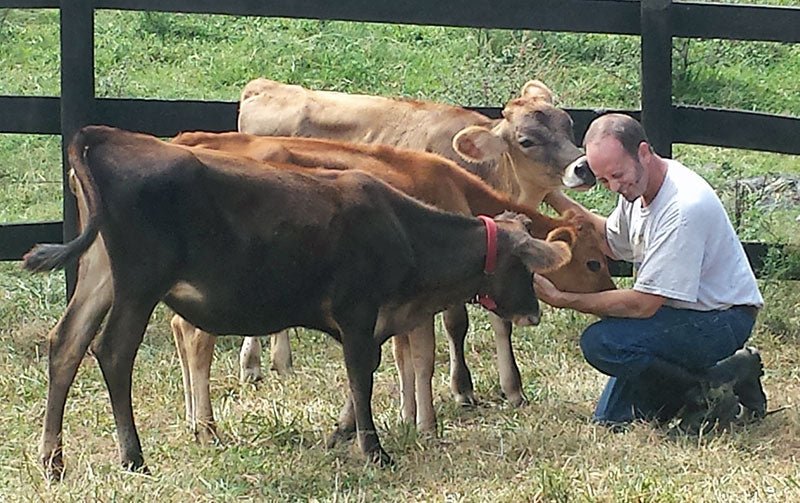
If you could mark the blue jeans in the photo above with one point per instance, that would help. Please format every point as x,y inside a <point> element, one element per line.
<point>624,347</point>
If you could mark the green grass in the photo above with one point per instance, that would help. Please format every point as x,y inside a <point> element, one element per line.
<point>273,433</point>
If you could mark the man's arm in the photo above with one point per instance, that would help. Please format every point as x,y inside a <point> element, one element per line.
<point>562,203</point>
<point>625,303</point>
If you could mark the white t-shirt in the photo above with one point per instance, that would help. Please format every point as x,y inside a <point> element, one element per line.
<point>683,246</point>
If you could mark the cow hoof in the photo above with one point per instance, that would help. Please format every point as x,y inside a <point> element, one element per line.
<point>427,427</point>
<point>207,435</point>
<point>53,468</point>
<point>518,401</point>
<point>339,436</point>
<point>381,458</point>
<point>282,370</point>
<point>136,465</point>
<point>250,375</point>
<point>466,400</point>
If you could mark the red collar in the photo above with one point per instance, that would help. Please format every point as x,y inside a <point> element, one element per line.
<point>491,244</point>
<point>491,259</point>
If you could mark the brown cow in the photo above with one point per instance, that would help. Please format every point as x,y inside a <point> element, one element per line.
<point>430,178</point>
<point>235,246</point>
<point>527,154</point>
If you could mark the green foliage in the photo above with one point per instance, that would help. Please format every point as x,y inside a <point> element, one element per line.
<point>30,178</point>
<point>737,74</point>
<point>29,52</point>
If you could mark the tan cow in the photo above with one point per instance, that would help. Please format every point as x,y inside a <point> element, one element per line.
<point>527,154</point>
<point>427,177</point>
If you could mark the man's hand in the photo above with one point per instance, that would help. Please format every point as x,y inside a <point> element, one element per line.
<point>547,292</point>
<point>624,303</point>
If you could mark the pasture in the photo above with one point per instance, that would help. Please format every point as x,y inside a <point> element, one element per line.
<point>272,445</point>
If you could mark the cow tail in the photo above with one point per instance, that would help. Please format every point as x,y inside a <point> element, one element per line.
<point>47,257</point>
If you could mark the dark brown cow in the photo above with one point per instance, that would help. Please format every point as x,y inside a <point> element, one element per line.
<point>236,247</point>
<point>427,177</point>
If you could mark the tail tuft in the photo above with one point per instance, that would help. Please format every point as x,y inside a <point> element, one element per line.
<point>46,257</point>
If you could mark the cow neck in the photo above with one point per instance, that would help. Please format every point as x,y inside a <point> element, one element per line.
<point>490,263</point>
<point>450,256</point>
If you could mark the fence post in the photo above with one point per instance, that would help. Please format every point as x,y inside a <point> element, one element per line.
<point>77,98</point>
<point>656,47</point>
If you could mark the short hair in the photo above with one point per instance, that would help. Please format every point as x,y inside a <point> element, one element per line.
<point>627,130</point>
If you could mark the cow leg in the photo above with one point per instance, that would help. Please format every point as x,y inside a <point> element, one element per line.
<point>362,355</point>
<point>196,352</point>
<point>177,324</point>
<point>250,360</point>
<point>345,428</point>
<point>67,345</point>
<point>281,353</point>
<point>250,357</point>
<point>510,380</point>
<point>351,423</point>
<point>405,373</point>
<point>456,324</point>
<point>115,349</point>
<point>422,354</point>
<point>361,360</point>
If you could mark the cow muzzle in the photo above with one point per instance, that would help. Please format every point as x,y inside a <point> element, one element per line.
<point>578,175</point>
<point>526,320</point>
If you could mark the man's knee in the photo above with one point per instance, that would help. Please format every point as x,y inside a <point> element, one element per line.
<point>593,344</point>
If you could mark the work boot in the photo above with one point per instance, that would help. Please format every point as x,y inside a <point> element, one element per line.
<point>744,369</point>
<point>729,393</point>
<point>716,408</point>
<point>675,387</point>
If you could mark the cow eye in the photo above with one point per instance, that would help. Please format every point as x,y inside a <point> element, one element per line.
<point>526,143</point>
<point>593,265</point>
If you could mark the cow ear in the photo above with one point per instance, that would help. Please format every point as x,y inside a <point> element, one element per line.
<point>74,184</point>
<point>543,256</point>
<point>478,144</point>
<point>256,87</point>
<point>535,89</point>
<point>519,217</point>
<point>563,234</point>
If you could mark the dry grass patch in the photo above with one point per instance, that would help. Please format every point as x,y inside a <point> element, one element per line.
<point>272,445</point>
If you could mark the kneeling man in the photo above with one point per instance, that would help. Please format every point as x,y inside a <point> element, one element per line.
<point>674,342</point>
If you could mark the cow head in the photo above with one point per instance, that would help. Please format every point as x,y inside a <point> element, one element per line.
<point>520,256</point>
<point>536,137</point>
<point>587,271</point>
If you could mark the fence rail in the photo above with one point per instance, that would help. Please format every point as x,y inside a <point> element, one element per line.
<point>656,22</point>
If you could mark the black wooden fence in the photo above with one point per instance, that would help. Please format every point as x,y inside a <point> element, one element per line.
<point>655,21</point>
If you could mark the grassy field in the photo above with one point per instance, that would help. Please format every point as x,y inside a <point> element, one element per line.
<point>273,433</point>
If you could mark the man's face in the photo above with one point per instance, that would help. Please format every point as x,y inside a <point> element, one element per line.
<point>616,169</point>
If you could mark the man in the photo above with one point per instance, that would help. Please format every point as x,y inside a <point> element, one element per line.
<point>673,340</point>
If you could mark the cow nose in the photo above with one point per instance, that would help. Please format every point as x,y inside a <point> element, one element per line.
<point>527,320</point>
<point>578,175</point>
<point>584,172</point>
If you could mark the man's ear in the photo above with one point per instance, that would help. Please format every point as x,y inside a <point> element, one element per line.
<point>644,150</point>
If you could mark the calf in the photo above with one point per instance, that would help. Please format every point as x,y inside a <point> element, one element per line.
<point>427,177</point>
<point>235,246</point>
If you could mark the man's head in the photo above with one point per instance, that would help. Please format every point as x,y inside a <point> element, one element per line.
<point>619,154</point>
